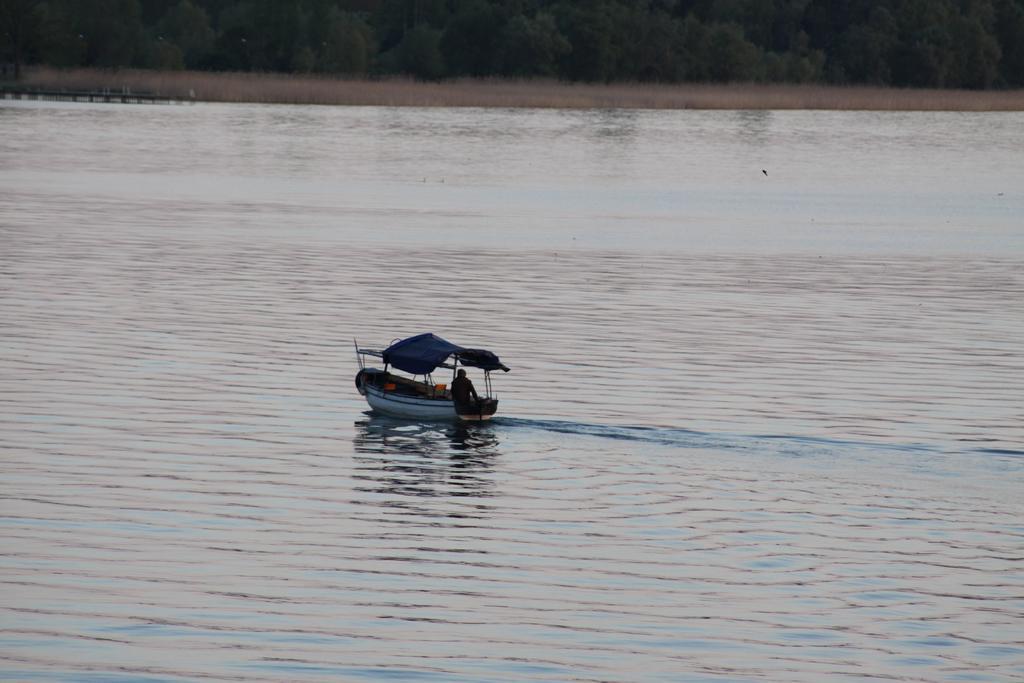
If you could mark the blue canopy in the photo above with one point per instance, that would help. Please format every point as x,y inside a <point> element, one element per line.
<point>423,353</point>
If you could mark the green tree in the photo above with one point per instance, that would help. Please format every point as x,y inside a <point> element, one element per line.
<point>692,48</point>
<point>731,57</point>
<point>61,44</point>
<point>939,43</point>
<point>154,10</point>
<point>468,42</point>
<point>863,51</point>
<point>532,47</point>
<point>159,53</point>
<point>419,54</point>
<point>976,51</point>
<point>20,30</point>
<point>280,36</point>
<point>188,27</point>
<point>111,30</point>
<point>922,56</point>
<point>392,19</point>
<point>1009,31</point>
<point>237,40</point>
<point>650,46</point>
<point>787,25</point>
<point>348,44</point>
<point>588,28</point>
<point>755,17</point>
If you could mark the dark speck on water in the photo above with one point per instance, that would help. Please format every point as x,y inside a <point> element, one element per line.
<point>751,434</point>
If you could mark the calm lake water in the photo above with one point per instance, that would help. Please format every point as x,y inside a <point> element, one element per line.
<point>765,420</point>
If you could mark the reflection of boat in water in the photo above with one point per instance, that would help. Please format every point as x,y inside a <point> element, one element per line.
<point>389,436</point>
<point>425,459</point>
<point>424,399</point>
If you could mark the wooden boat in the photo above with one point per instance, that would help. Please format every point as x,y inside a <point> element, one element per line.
<point>418,396</point>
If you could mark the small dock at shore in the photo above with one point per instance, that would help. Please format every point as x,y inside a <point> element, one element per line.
<point>124,96</point>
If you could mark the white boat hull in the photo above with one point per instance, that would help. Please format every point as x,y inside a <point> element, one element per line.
<point>409,407</point>
<point>379,388</point>
<point>398,405</point>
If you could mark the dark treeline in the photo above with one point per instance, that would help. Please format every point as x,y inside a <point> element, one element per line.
<point>927,43</point>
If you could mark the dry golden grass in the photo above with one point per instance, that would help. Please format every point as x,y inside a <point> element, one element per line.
<point>297,89</point>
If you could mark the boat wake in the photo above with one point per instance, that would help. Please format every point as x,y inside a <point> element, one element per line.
<point>688,438</point>
<point>504,428</point>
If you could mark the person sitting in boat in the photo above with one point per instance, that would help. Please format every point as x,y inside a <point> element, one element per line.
<point>462,389</point>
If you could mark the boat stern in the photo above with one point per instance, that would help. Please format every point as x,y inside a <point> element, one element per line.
<point>481,410</point>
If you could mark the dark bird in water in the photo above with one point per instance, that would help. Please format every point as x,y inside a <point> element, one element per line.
<point>764,171</point>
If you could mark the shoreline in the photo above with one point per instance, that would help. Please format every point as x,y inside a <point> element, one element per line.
<point>273,88</point>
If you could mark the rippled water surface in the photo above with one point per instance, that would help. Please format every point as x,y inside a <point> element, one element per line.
<point>760,425</point>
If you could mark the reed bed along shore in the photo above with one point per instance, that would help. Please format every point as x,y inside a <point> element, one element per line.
<point>305,89</point>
